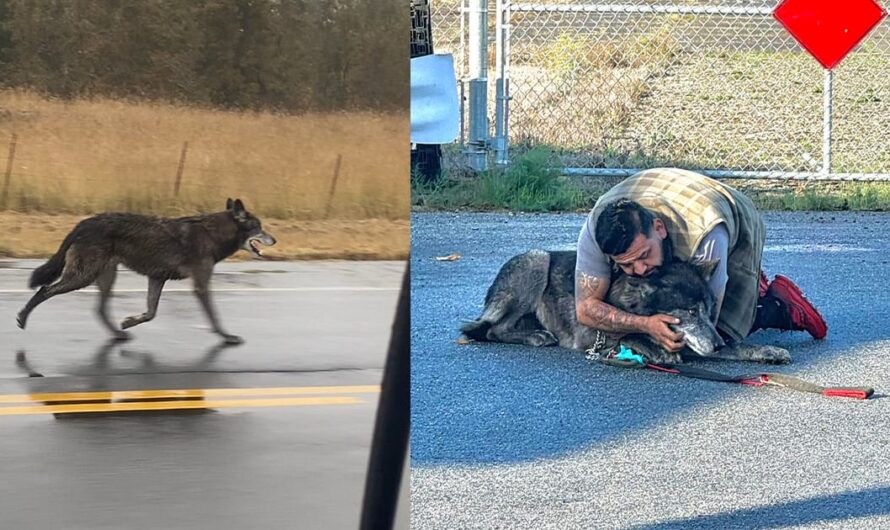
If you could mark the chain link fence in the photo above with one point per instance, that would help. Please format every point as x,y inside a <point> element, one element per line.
<point>717,86</point>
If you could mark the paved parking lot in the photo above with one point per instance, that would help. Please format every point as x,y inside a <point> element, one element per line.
<point>513,437</point>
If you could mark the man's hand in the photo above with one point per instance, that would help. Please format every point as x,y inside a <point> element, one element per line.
<point>657,327</point>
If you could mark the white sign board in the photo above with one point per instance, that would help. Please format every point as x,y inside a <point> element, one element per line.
<point>435,116</point>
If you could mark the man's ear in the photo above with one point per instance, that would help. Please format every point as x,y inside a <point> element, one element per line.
<point>706,268</point>
<point>229,203</point>
<point>659,227</point>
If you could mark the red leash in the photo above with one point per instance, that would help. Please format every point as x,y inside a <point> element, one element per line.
<point>762,379</point>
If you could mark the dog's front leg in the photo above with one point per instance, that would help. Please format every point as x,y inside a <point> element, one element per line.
<point>761,353</point>
<point>202,291</point>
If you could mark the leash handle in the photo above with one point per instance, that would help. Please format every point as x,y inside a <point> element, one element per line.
<point>856,392</point>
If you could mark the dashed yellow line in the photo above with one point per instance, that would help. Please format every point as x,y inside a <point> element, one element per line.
<point>179,399</point>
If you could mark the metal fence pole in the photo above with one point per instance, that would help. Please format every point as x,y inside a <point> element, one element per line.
<point>180,168</point>
<point>462,80</point>
<point>500,139</point>
<point>327,212</point>
<point>826,124</point>
<point>478,40</point>
<point>507,97</point>
<point>9,163</point>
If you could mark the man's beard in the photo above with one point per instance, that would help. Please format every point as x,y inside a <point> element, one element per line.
<point>667,250</point>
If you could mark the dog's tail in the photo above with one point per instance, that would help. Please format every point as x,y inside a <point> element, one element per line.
<point>495,310</point>
<point>476,329</point>
<point>52,269</point>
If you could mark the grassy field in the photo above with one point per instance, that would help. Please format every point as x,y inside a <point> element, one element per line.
<point>88,156</point>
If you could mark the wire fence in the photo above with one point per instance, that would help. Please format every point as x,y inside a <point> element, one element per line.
<point>717,86</point>
<point>186,181</point>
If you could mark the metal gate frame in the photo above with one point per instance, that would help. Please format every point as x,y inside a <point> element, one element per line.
<point>499,144</point>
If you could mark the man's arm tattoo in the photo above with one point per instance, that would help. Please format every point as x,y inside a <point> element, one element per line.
<point>610,319</point>
<point>588,284</point>
<point>599,314</point>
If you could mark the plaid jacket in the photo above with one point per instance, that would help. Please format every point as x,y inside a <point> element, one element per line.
<point>691,205</point>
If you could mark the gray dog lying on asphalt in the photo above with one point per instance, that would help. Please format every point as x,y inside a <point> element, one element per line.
<point>532,302</point>
<point>160,248</point>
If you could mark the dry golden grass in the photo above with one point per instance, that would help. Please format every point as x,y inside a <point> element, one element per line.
<point>99,155</point>
<point>39,236</point>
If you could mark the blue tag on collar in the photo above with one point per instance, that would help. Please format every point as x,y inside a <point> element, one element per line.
<point>626,354</point>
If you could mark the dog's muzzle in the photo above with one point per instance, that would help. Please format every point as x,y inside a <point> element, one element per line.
<point>262,238</point>
<point>701,336</point>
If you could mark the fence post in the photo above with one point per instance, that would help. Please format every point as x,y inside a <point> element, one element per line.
<point>327,213</point>
<point>185,146</point>
<point>826,124</point>
<point>501,83</point>
<point>9,161</point>
<point>477,146</point>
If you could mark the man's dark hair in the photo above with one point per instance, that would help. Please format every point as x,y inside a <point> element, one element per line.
<point>619,223</point>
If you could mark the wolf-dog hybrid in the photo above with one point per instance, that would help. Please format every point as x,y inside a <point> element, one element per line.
<point>532,302</point>
<point>160,248</point>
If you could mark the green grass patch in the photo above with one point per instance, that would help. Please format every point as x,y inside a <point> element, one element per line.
<point>854,196</point>
<point>530,184</point>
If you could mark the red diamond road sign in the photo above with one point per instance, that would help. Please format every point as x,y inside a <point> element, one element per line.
<point>829,29</point>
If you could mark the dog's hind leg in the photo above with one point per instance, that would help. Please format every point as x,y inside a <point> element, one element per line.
<point>525,329</point>
<point>104,282</point>
<point>511,302</point>
<point>155,286</point>
<point>556,315</point>
<point>78,273</point>
<point>505,320</point>
<point>537,338</point>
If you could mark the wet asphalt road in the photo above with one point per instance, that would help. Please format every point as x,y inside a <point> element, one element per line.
<point>278,453</point>
<point>508,436</point>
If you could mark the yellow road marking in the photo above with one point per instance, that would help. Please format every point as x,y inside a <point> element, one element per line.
<point>186,393</point>
<point>178,405</point>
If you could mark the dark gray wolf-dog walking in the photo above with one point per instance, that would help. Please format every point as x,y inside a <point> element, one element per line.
<point>532,302</point>
<point>160,248</point>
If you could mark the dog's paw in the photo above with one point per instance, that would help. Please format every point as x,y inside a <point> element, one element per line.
<point>773,355</point>
<point>129,322</point>
<point>233,339</point>
<point>541,338</point>
<point>21,320</point>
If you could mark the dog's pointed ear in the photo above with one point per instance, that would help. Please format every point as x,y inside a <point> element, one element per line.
<point>229,203</point>
<point>239,206</point>
<point>706,267</point>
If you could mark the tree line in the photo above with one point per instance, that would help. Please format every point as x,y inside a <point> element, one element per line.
<point>281,55</point>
